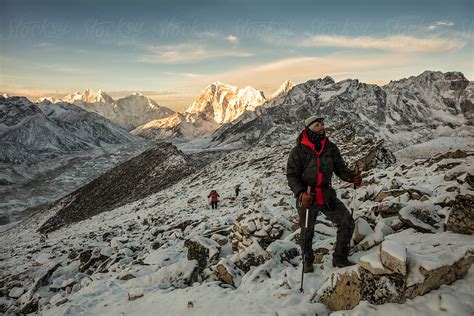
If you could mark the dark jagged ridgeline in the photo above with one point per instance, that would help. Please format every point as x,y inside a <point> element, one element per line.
<point>152,171</point>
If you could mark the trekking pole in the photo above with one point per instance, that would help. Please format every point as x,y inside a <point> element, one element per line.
<point>308,190</point>
<point>356,170</point>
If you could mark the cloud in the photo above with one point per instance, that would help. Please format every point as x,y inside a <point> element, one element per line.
<point>268,77</point>
<point>232,38</point>
<point>187,53</point>
<point>439,24</point>
<point>396,43</point>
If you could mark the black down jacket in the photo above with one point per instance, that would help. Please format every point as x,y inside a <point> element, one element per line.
<point>302,169</point>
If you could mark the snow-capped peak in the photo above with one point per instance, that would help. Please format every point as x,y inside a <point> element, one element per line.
<point>284,88</point>
<point>224,103</point>
<point>89,96</point>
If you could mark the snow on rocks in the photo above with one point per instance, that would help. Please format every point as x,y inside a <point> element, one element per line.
<point>341,291</point>
<point>406,265</point>
<point>422,216</point>
<point>362,230</point>
<point>204,250</point>
<point>265,258</point>
<point>135,293</point>
<point>229,273</point>
<point>180,275</point>
<point>253,255</point>
<point>393,256</point>
<point>254,225</point>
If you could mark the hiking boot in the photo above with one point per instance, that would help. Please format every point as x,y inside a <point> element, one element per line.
<point>308,266</point>
<point>341,262</point>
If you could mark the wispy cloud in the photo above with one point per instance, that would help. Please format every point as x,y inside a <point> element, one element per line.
<point>183,74</point>
<point>68,69</point>
<point>187,53</point>
<point>397,43</point>
<point>269,76</point>
<point>439,24</point>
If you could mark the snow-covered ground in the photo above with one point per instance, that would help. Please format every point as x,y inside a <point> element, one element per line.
<point>151,273</point>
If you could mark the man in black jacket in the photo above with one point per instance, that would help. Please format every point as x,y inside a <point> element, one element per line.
<point>311,163</point>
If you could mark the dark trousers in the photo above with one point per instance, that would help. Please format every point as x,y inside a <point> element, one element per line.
<point>214,204</point>
<point>338,215</point>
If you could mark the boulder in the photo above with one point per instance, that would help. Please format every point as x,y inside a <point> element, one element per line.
<point>16,292</point>
<point>387,209</point>
<point>362,229</point>
<point>393,257</point>
<point>229,273</point>
<point>319,254</point>
<point>434,278</point>
<point>461,217</point>
<point>389,193</point>
<point>251,256</point>
<point>422,216</point>
<point>341,291</point>
<point>135,293</point>
<point>284,250</point>
<point>204,250</point>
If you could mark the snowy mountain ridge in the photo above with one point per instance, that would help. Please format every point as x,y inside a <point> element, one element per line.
<point>224,103</point>
<point>219,103</point>
<point>401,112</point>
<point>35,132</point>
<point>128,112</point>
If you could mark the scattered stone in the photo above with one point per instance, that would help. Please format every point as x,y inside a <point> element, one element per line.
<point>220,239</point>
<point>229,273</point>
<point>362,229</point>
<point>371,262</point>
<point>341,291</point>
<point>387,209</point>
<point>381,288</point>
<point>393,256</point>
<point>433,279</point>
<point>202,249</point>
<point>16,292</point>
<point>384,194</point>
<point>253,255</point>
<point>57,300</point>
<point>135,293</point>
<point>106,251</point>
<point>319,254</point>
<point>284,250</point>
<point>461,217</point>
<point>125,276</point>
<point>421,216</point>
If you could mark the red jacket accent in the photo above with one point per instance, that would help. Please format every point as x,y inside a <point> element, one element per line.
<point>319,180</point>
<point>214,196</point>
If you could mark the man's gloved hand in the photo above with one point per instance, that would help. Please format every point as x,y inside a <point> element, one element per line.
<point>357,180</point>
<point>305,199</point>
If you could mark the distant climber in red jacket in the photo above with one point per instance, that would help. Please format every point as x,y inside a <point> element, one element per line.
<point>214,198</point>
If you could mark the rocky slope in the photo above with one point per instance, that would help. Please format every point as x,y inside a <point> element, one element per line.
<point>152,171</point>
<point>171,247</point>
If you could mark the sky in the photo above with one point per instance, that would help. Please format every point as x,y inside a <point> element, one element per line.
<point>171,50</point>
